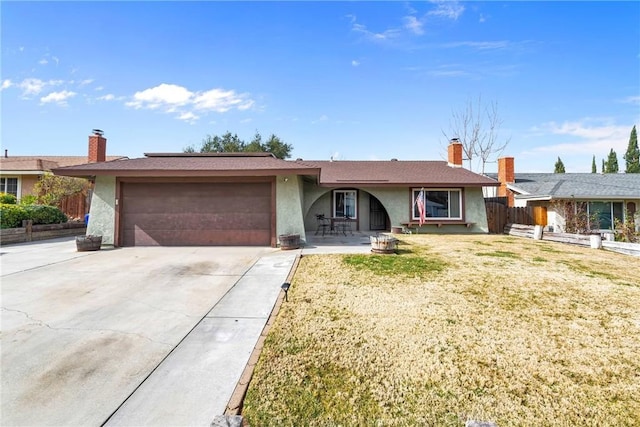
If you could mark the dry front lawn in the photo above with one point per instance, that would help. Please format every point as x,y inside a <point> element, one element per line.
<point>453,328</point>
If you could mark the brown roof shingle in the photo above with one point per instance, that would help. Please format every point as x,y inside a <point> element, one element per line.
<point>43,163</point>
<point>183,164</point>
<point>396,172</point>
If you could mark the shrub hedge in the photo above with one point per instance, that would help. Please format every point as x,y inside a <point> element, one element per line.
<point>7,198</point>
<point>11,216</point>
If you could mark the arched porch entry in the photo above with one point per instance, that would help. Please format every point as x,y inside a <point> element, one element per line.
<point>369,212</point>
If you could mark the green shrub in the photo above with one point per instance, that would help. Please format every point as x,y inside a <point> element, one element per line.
<point>42,214</point>
<point>29,199</point>
<point>8,199</point>
<point>11,216</point>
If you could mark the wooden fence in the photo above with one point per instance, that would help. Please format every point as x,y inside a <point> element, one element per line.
<point>499,215</point>
<point>75,206</point>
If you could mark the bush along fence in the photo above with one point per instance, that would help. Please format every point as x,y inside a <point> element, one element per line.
<point>594,241</point>
<point>29,232</point>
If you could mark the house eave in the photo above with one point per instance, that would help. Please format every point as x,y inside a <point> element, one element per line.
<point>386,183</point>
<point>22,172</point>
<point>182,173</point>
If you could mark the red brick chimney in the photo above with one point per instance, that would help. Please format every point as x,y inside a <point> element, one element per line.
<point>455,153</point>
<point>97,147</point>
<point>506,175</point>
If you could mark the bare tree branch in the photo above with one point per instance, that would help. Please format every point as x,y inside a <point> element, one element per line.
<point>477,127</point>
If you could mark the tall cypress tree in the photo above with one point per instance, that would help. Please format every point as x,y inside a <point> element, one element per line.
<point>611,166</point>
<point>604,169</point>
<point>594,169</point>
<point>559,166</point>
<point>632,156</point>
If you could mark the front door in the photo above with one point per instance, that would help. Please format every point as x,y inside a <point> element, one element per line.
<point>377,215</point>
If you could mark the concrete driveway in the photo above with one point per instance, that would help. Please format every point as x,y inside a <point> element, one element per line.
<point>131,336</point>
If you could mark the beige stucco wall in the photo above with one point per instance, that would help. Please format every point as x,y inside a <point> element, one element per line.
<point>102,216</point>
<point>27,183</point>
<point>289,202</point>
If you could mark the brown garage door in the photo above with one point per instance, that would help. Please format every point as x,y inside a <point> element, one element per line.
<point>188,214</point>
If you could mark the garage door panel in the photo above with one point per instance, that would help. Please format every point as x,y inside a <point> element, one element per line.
<point>160,190</point>
<point>186,205</point>
<point>203,221</point>
<point>204,213</point>
<point>195,237</point>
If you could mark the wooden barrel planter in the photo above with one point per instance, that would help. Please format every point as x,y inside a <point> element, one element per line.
<point>88,243</point>
<point>289,241</point>
<point>383,244</point>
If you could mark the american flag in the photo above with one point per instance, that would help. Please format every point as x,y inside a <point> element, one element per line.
<point>421,207</point>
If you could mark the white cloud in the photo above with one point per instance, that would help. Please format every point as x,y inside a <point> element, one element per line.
<point>98,88</point>
<point>55,58</point>
<point>164,95</point>
<point>107,97</point>
<point>172,98</point>
<point>501,44</point>
<point>596,136</point>
<point>355,63</point>
<point>632,100</point>
<point>447,9</point>
<point>580,129</point>
<point>373,36</point>
<point>31,86</point>
<point>221,101</point>
<point>448,73</point>
<point>43,61</point>
<point>85,82</point>
<point>188,117</point>
<point>59,98</point>
<point>414,25</point>
<point>6,84</point>
<point>482,19</point>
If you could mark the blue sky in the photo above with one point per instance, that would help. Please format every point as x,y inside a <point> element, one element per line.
<point>353,80</point>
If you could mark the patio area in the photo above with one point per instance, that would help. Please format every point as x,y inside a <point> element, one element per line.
<point>358,242</point>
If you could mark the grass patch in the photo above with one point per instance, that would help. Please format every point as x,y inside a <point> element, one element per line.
<point>549,342</point>
<point>395,265</point>
<point>499,254</point>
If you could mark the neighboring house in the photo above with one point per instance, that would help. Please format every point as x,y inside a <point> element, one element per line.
<point>251,198</point>
<point>604,196</point>
<point>19,174</point>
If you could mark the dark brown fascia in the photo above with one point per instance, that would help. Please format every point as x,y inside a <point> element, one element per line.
<point>404,184</point>
<point>85,173</point>
<point>256,154</point>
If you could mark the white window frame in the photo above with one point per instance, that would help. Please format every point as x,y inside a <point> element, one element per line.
<point>3,185</point>
<point>415,216</point>
<point>355,201</point>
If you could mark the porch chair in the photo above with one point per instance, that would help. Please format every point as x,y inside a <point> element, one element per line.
<point>344,225</point>
<point>324,224</point>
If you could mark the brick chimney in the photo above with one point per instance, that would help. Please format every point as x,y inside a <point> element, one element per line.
<point>455,153</point>
<point>506,175</point>
<point>97,147</point>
